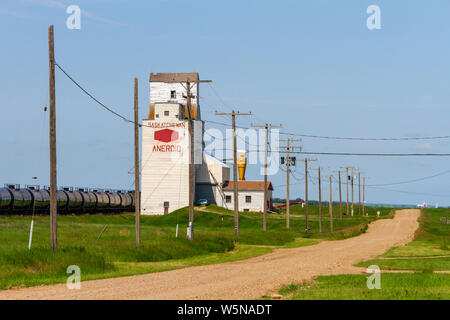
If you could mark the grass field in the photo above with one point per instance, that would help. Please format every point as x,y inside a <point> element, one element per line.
<point>428,252</point>
<point>115,253</point>
<point>430,249</point>
<point>403,286</point>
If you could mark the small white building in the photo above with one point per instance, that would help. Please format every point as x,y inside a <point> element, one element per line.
<point>251,196</point>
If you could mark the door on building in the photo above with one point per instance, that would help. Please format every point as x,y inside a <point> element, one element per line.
<point>166,207</point>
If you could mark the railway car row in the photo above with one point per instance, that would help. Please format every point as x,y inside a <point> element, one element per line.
<point>24,201</point>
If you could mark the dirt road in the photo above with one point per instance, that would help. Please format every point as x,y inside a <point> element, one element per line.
<point>245,279</point>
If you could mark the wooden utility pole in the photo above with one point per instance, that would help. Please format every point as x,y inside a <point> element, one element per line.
<point>266,126</point>
<point>346,179</point>
<point>235,179</point>
<point>340,193</point>
<point>53,182</point>
<point>364,187</point>
<point>359,188</point>
<point>364,194</point>
<point>191,153</point>
<point>331,205</point>
<point>137,198</point>
<point>340,196</point>
<point>306,194</point>
<point>289,161</point>
<point>320,201</point>
<point>352,189</point>
<point>319,169</point>
<point>191,161</point>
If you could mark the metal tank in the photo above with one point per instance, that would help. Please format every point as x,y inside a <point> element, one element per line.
<point>131,194</point>
<point>62,201</point>
<point>126,200</point>
<point>89,200</point>
<point>41,198</point>
<point>75,200</point>
<point>102,200</point>
<point>115,200</point>
<point>22,199</point>
<point>6,200</point>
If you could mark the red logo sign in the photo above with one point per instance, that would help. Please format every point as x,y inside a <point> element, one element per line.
<point>166,135</point>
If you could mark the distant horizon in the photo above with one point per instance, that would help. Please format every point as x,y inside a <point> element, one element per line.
<point>367,203</point>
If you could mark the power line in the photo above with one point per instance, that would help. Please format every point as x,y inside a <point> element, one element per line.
<point>102,104</point>
<point>376,154</point>
<point>347,138</point>
<point>299,152</point>
<point>364,139</point>
<point>411,192</point>
<point>91,96</point>
<point>409,181</point>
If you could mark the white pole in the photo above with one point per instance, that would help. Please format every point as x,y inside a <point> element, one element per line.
<point>32,225</point>
<point>31,235</point>
<point>176,232</point>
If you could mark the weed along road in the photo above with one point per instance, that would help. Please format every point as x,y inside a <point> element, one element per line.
<point>245,279</point>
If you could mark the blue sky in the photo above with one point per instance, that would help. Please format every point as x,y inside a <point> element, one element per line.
<point>311,65</point>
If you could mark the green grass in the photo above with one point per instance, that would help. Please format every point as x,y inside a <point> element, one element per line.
<point>115,254</point>
<point>431,240</point>
<point>354,287</point>
<point>417,264</point>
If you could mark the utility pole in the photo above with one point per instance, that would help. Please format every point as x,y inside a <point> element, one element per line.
<point>359,188</point>
<point>137,201</point>
<point>289,161</point>
<point>53,182</point>
<point>346,179</point>
<point>306,194</point>
<point>352,189</point>
<point>320,201</point>
<point>191,161</point>
<point>235,180</point>
<point>331,205</point>
<point>340,194</point>
<point>364,194</point>
<point>266,126</point>
<point>364,187</point>
<point>320,195</point>
<point>191,150</point>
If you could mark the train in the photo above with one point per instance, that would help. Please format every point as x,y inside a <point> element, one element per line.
<point>15,200</point>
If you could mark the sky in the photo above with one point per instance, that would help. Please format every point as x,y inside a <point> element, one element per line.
<point>311,65</point>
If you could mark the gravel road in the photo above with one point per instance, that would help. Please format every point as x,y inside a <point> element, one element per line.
<point>244,279</point>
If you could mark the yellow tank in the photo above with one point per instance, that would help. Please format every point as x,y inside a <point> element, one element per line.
<point>242,164</point>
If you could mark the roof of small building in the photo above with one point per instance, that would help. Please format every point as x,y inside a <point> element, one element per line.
<point>248,185</point>
<point>174,77</point>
